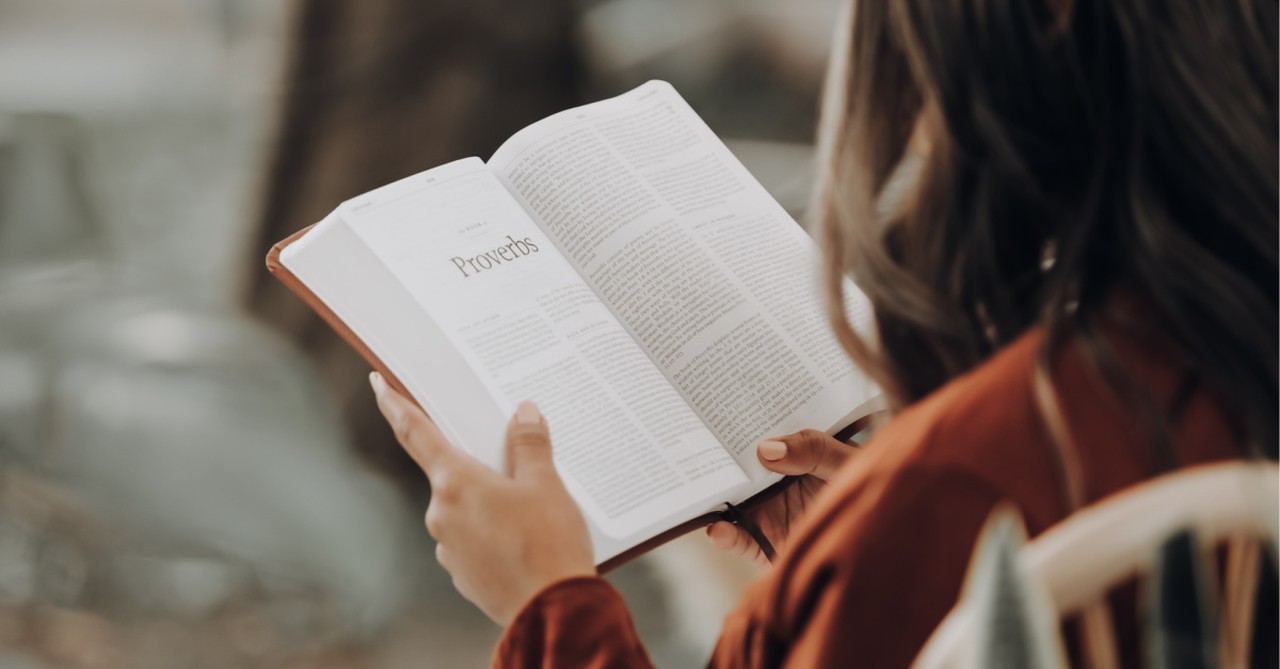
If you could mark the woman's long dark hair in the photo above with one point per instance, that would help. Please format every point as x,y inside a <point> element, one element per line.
<point>1075,146</point>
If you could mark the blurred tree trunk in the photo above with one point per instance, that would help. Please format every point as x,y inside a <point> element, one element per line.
<point>380,89</point>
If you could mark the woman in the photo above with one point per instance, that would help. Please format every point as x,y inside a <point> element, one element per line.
<point>1079,293</point>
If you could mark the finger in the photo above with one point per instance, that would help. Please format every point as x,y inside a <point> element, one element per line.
<point>805,452</point>
<point>417,433</point>
<point>728,537</point>
<point>723,535</point>
<point>434,521</point>
<point>529,444</point>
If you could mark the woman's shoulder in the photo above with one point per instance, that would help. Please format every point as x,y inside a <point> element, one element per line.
<point>879,557</point>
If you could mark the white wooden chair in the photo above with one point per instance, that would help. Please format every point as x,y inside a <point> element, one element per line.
<point>1069,569</point>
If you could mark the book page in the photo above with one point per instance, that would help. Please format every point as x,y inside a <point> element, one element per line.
<point>704,268</point>
<point>630,449</point>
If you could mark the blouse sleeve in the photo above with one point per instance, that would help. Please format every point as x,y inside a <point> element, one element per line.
<point>578,622</point>
<point>866,584</point>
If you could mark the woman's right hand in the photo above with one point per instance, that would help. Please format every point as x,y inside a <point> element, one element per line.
<point>809,454</point>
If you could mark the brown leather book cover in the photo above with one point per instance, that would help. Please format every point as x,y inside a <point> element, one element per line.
<point>286,277</point>
<point>300,289</point>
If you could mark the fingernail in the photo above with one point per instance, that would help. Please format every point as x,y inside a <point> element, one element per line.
<point>772,450</point>
<point>379,384</point>
<point>528,413</point>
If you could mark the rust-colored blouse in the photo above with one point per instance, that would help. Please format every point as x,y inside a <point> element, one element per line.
<point>880,556</point>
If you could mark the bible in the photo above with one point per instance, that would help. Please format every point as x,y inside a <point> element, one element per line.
<point>618,266</point>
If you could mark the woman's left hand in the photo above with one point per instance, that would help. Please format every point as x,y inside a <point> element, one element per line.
<point>503,537</point>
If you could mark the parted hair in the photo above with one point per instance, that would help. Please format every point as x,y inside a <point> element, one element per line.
<point>1074,146</point>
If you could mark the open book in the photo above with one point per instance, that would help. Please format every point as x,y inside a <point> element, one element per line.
<point>615,264</point>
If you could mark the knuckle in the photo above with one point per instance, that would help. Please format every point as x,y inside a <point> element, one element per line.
<point>814,446</point>
<point>530,436</point>
<point>434,521</point>
<point>406,430</point>
<point>444,489</point>
<point>812,439</point>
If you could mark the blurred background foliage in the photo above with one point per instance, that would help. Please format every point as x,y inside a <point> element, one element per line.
<point>192,473</point>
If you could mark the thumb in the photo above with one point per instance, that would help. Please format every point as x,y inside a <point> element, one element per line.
<point>805,452</point>
<point>528,443</point>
